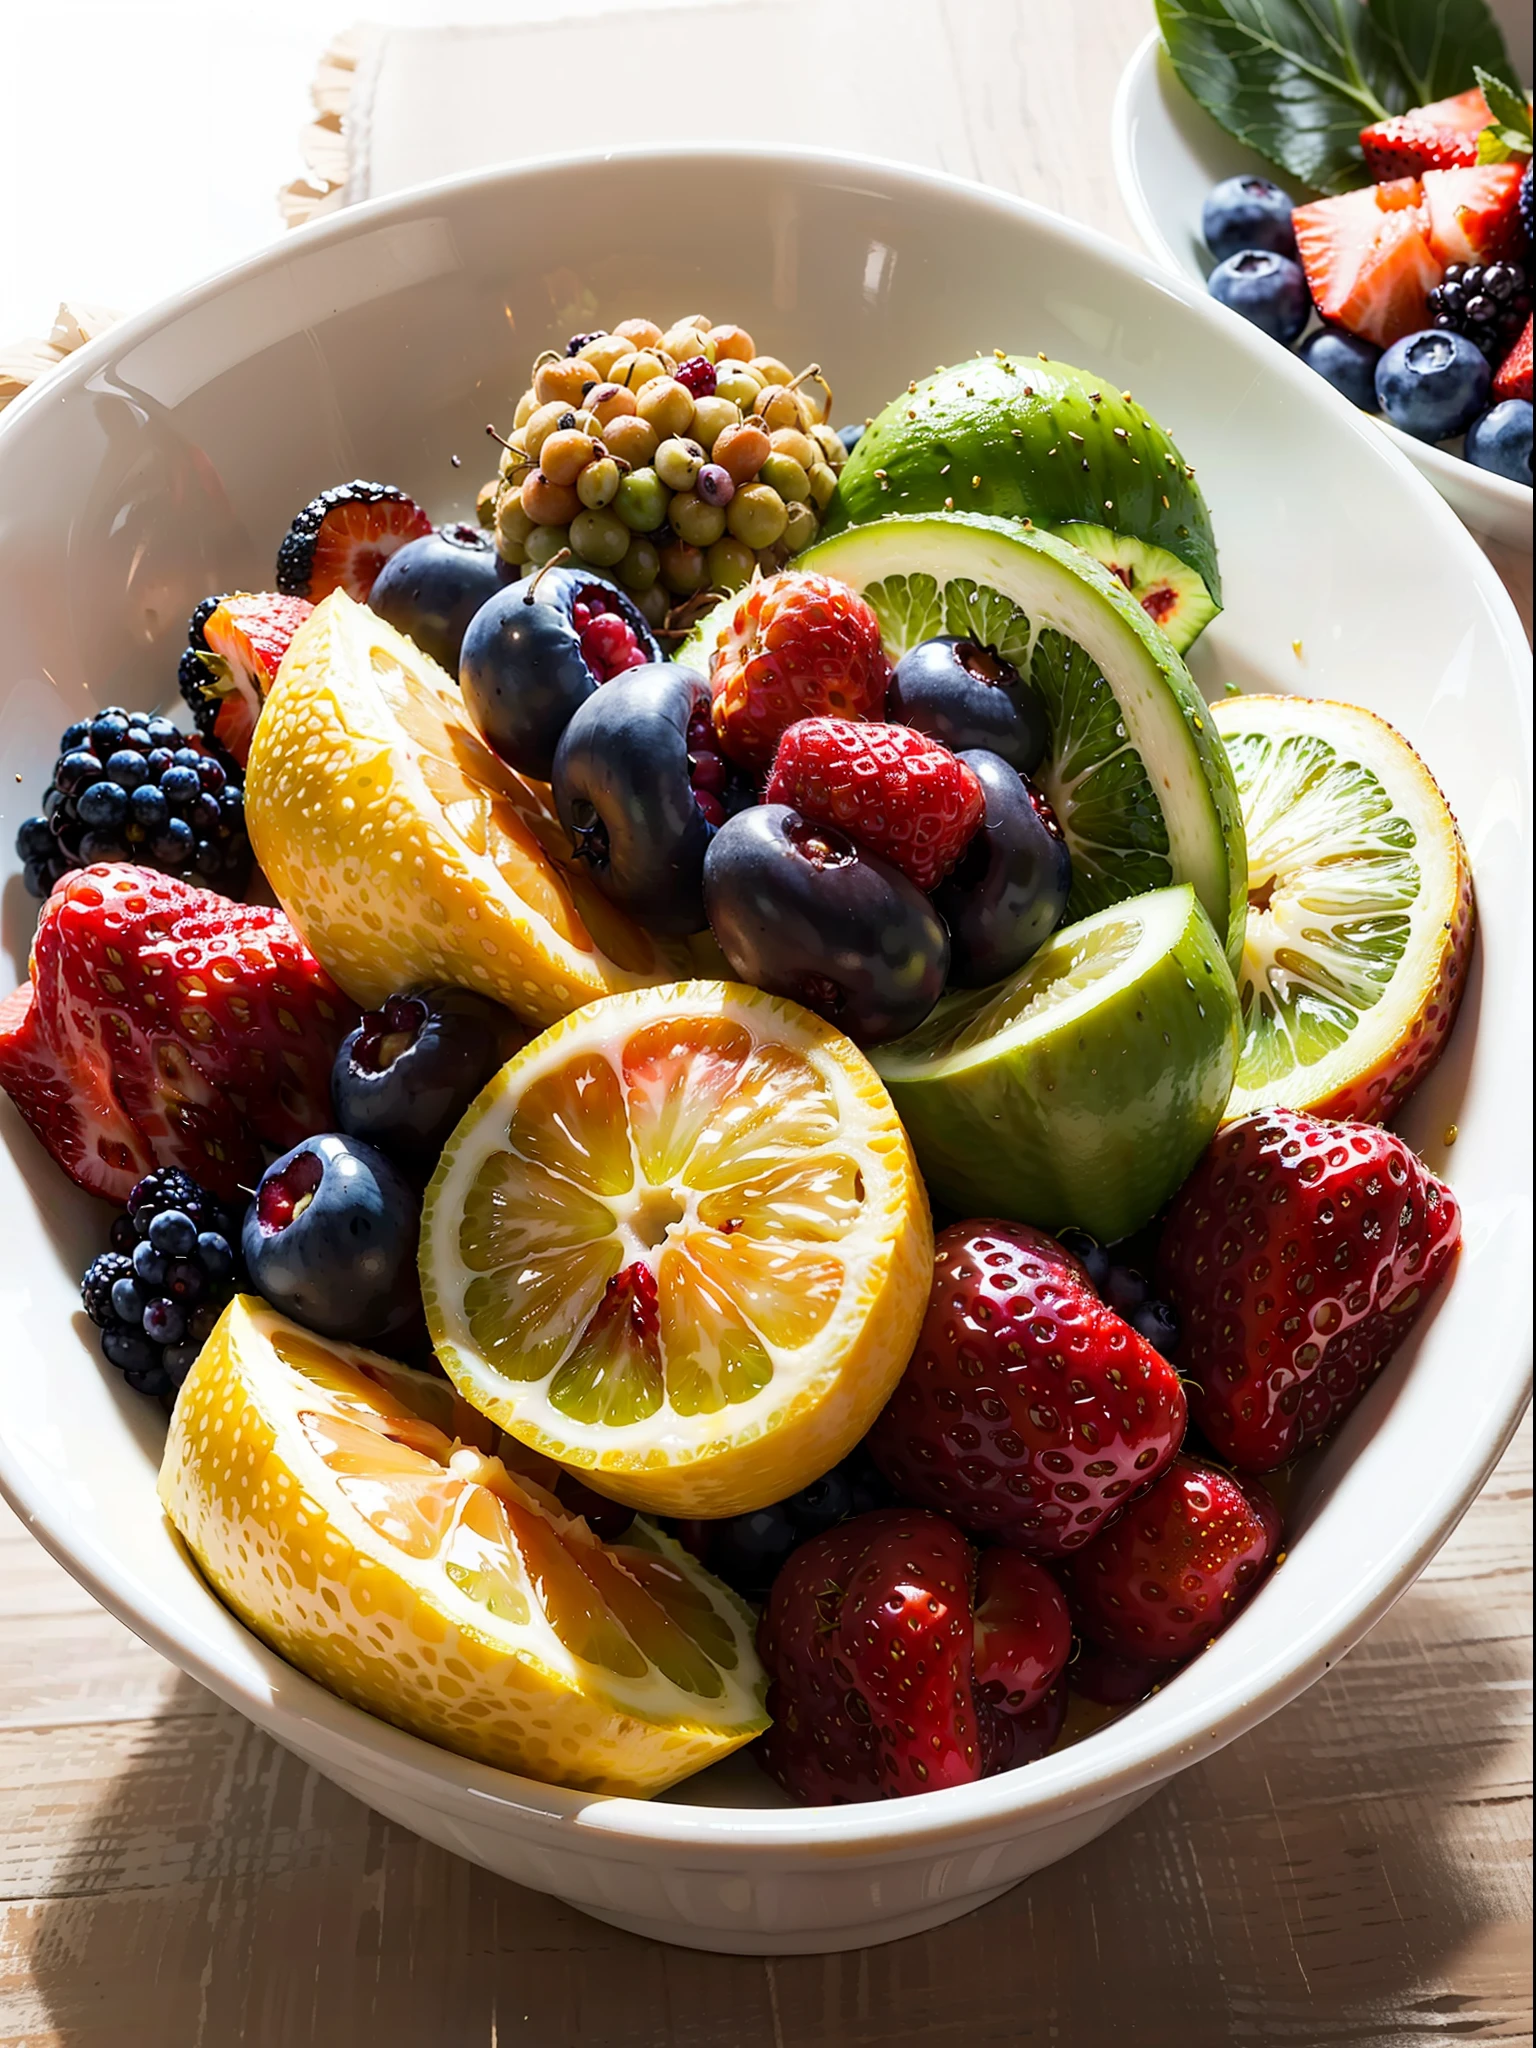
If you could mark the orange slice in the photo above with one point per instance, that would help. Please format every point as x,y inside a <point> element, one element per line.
<point>405,851</point>
<point>680,1244</point>
<point>354,1515</point>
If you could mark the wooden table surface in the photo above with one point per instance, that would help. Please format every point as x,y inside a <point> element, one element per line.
<point>1355,1871</point>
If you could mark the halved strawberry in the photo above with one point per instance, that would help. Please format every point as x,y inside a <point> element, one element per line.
<point>237,644</point>
<point>1368,259</point>
<point>1435,137</point>
<point>1474,214</point>
<point>343,538</point>
<point>1514,378</point>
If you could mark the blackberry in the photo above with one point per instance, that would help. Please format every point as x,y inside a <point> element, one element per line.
<point>131,786</point>
<point>194,677</point>
<point>1527,209</point>
<point>158,1293</point>
<point>1488,303</point>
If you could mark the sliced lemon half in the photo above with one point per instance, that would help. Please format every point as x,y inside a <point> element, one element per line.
<point>1360,912</point>
<point>352,1513</point>
<point>405,851</point>
<point>680,1244</point>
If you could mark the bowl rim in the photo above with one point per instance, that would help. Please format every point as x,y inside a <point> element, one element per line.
<point>1129,1756</point>
<point>1454,472</point>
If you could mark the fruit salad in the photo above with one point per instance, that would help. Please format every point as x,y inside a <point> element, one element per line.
<point>745,837</point>
<point>1411,294</point>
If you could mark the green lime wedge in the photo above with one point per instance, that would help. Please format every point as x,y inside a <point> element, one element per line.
<point>1083,1090</point>
<point>1137,772</point>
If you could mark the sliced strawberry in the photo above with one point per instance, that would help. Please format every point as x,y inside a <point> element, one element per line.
<point>165,1025</point>
<point>1435,137</point>
<point>236,650</point>
<point>1514,378</point>
<point>1368,260</point>
<point>343,538</point>
<point>1474,214</point>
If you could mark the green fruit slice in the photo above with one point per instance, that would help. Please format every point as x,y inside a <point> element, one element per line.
<point>1137,773</point>
<point>1028,439</point>
<point>1084,1089</point>
<point>1168,590</point>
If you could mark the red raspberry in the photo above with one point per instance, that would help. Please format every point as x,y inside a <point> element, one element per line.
<point>798,646</point>
<point>895,791</point>
<point>698,376</point>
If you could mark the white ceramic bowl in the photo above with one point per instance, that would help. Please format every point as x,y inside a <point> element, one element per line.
<point>1168,154</point>
<point>165,460</point>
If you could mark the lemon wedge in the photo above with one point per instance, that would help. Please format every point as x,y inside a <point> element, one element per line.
<point>405,851</point>
<point>680,1244</point>
<point>354,1514</point>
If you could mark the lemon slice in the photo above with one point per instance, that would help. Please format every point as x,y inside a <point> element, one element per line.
<point>405,851</point>
<point>1360,913</point>
<point>351,1513</point>
<point>680,1243</point>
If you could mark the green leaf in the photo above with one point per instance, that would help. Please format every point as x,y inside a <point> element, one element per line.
<point>1297,80</point>
<point>1508,134</point>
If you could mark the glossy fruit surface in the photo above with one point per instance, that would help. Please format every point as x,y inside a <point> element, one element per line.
<point>1368,259</point>
<point>1009,891</point>
<point>1299,1256</point>
<point>1178,1566</point>
<point>157,1294</point>
<point>1514,378</point>
<point>1500,440</point>
<point>1269,290</point>
<point>1247,213</point>
<point>529,661</point>
<point>408,1071</point>
<point>356,1516</point>
<point>343,538</point>
<point>1083,1089</point>
<point>1474,212</point>
<point>1360,921</point>
<point>1029,1411</point>
<point>235,647</point>
<point>432,587</point>
<point>1168,590</point>
<point>330,1239</point>
<point>1347,361</point>
<point>1431,137</point>
<point>221,1022</point>
<point>966,695</point>
<point>800,910</point>
<point>1433,384</point>
<point>869,1639</point>
<point>1135,771</point>
<point>680,1245</point>
<point>623,786</point>
<point>897,792</point>
<point>794,646</point>
<point>406,851</point>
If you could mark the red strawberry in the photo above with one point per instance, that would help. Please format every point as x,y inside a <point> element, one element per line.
<point>343,538</point>
<point>1299,1254</point>
<point>1029,1411</point>
<point>237,649</point>
<point>1368,261</point>
<point>1430,138</point>
<point>1176,1568</point>
<point>1474,214</point>
<point>895,791</point>
<point>798,646</point>
<point>1514,378</point>
<point>167,1026</point>
<point>871,1645</point>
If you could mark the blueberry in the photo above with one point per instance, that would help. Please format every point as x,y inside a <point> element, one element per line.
<point>108,731</point>
<point>178,1360</point>
<point>158,759</point>
<point>431,588</point>
<point>965,695</point>
<point>747,1551</point>
<point>1125,1290</point>
<point>1348,362</point>
<point>1500,440</point>
<point>1433,384</point>
<point>185,1282</point>
<point>74,770</point>
<point>406,1074</point>
<point>821,1505</point>
<point>215,1255</point>
<point>148,1264</point>
<point>164,1322</point>
<point>851,436</point>
<point>331,1239</point>
<point>180,786</point>
<point>34,841</point>
<point>131,1352</point>
<point>524,670</point>
<point>130,1298</point>
<point>173,1233</point>
<point>1247,213</point>
<point>1089,1253</point>
<point>212,777</point>
<point>95,846</point>
<point>147,808</point>
<point>127,767</point>
<point>1009,891</point>
<point>801,912</point>
<point>624,792</point>
<point>75,736</point>
<point>1267,289</point>
<point>175,845</point>
<point>1158,1322</point>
